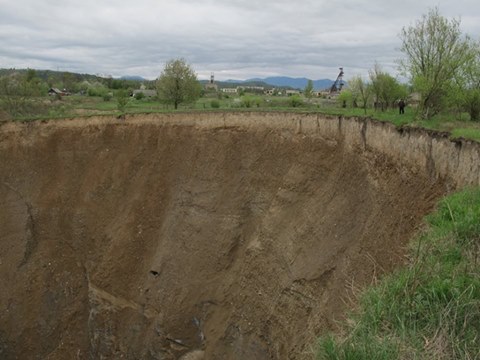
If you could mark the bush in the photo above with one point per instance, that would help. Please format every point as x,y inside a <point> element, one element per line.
<point>122,100</point>
<point>345,99</point>
<point>97,91</point>
<point>296,101</point>
<point>139,96</point>
<point>215,104</point>
<point>251,101</point>
<point>247,101</point>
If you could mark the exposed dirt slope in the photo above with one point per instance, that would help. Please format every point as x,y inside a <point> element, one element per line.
<point>149,241</point>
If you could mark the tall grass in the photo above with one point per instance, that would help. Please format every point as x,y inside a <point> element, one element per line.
<point>430,309</point>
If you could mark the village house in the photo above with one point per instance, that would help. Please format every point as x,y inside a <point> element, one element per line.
<point>58,92</point>
<point>292,92</point>
<point>229,90</point>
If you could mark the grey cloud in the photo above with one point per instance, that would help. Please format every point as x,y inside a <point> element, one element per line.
<point>233,38</point>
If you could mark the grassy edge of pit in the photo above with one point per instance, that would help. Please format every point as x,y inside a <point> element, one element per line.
<point>429,308</point>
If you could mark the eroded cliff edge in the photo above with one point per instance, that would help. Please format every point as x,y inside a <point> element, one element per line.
<point>224,235</point>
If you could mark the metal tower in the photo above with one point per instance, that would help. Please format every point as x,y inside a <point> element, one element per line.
<point>338,84</point>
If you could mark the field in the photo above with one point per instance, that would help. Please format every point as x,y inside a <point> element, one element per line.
<point>457,125</point>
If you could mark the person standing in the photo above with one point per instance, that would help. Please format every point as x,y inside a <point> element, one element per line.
<point>401,106</point>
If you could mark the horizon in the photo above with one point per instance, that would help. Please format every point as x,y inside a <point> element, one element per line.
<point>106,76</point>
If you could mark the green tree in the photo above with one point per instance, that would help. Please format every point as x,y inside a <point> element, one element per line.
<point>68,80</point>
<point>178,83</point>
<point>385,88</point>
<point>122,100</point>
<point>308,91</point>
<point>345,98</point>
<point>464,95</point>
<point>295,101</point>
<point>19,94</point>
<point>435,51</point>
<point>31,75</point>
<point>360,90</point>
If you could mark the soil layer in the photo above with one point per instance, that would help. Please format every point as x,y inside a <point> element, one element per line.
<point>145,240</point>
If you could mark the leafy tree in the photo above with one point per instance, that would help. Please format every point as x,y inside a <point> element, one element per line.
<point>360,90</point>
<point>68,80</point>
<point>385,88</point>
<point>464,95</point>
<point>122,100</point>
<point>31,75</point>
<point>345,98</point>
<point>18,93</point>
<point>296,101</point>
<point>435,51</point>
<point>308,91</point>
<point>97,89</point>
<point>139,96</point>
<point>178,83</point>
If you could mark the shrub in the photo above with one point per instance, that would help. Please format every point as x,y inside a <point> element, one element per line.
<point>296,101</point>
<point>247,101</point>
<point>215,104</point>
<point>251,101</point>
<point>122,100</point>
<point>345,99</point>
<point>139,96</point>
<point>97,91</point>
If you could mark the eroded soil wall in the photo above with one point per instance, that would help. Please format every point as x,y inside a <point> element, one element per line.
<point>215,236</point>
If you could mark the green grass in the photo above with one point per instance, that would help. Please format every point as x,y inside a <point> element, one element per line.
<point>430,309</point>
<point>458,128</point>
<point>71,106</point>
<point>467,133</point>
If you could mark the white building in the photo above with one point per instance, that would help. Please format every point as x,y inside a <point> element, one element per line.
<point>229,90</point>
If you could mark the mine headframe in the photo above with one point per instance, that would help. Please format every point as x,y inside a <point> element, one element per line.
<point>338,84</point>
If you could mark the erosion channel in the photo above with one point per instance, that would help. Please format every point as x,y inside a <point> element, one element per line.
<point>204,236</point>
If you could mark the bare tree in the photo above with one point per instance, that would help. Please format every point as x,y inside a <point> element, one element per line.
<point>361,89</point>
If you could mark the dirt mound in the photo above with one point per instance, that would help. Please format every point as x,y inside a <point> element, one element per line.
<point>156,241</point>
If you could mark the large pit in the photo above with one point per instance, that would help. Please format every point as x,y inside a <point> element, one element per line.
<point>200,236</point>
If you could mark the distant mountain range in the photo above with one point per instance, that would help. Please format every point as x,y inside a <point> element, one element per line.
<point>274,81</point>
<point>133,77</point>
<point>285,81</point>
<point>277,81</point>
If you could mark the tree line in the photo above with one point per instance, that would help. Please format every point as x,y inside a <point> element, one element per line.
<point>442,66</point>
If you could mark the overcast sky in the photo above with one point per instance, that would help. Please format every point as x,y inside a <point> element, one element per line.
<point>235,39</point>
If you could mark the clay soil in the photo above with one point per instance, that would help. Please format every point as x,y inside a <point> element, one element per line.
<point>145,241</point>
